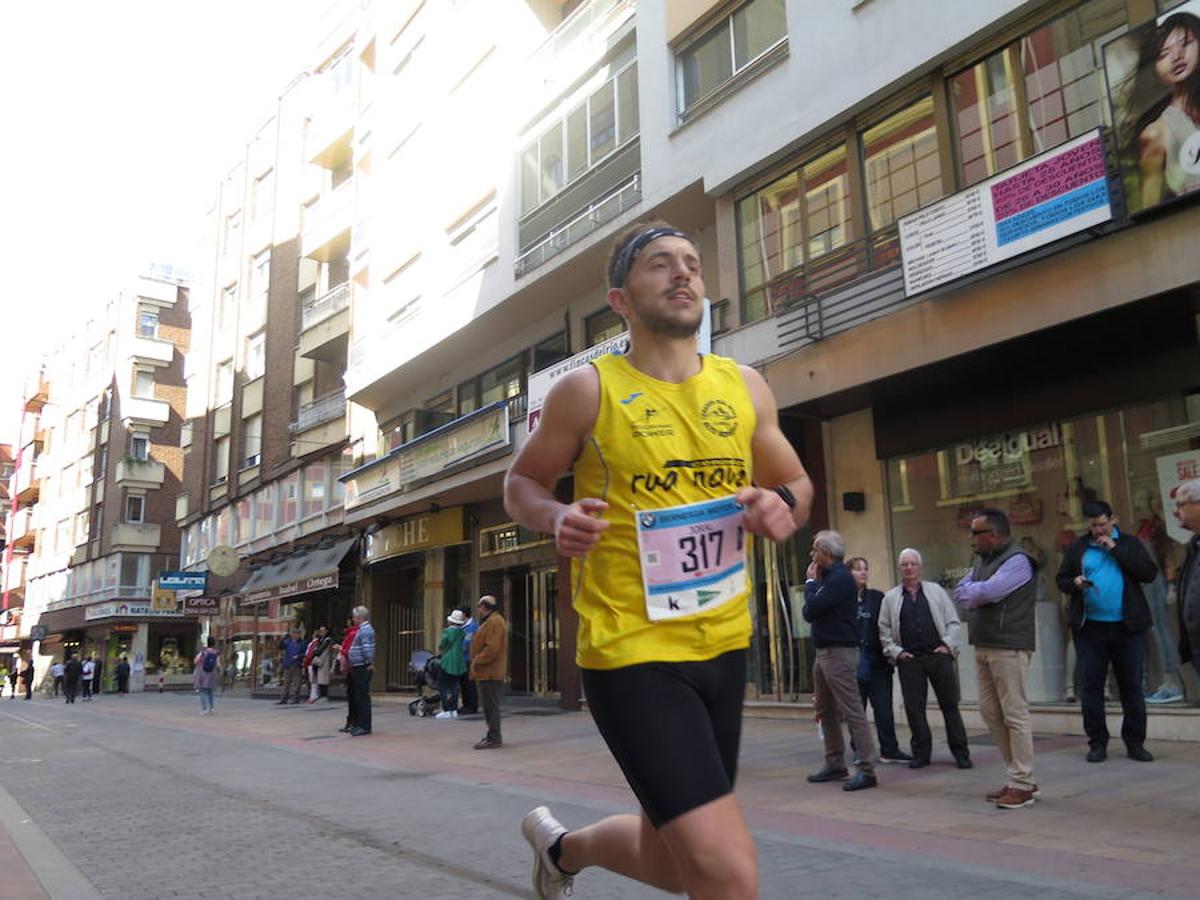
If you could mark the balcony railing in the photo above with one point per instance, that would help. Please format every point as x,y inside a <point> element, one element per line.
<point>588,19</point>
<point>328,304</point>
<point>595,214</point>
<point>322,410</point>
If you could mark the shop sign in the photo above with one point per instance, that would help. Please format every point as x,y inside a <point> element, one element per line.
<point>129,609</point>
<point>162,599</point>
<point>457,442</point>
<point>299,586</point>
<point>37,633</point>
<point>183,581</point>
<point>201,606</point>
<point>1049,197</point>
<point>421,532</point>
<point>1001,462</point>
<point>540,382</point>
<point>1174,470</point>
<point>125,628</point>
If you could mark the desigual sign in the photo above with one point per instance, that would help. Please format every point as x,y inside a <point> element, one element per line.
<point>1012,446</point>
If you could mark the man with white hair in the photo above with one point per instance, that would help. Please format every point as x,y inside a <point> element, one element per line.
<point>921,634</point>
<point>831,608</point>
<point>362,667</point>
<point>1187,511</point>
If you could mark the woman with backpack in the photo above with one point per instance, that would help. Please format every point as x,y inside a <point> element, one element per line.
<point>206,674</point>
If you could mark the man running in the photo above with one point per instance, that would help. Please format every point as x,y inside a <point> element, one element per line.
<point>677,458</point>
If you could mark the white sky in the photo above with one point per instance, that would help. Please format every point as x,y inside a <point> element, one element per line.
<point>117,121</point>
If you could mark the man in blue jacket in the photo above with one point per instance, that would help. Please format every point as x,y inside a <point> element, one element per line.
<point>1103,572</point>
<point>293,648</point>
<point>831,608</point>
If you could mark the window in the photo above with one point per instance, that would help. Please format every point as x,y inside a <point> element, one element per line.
<point>244,523</point>
<point>500,383</point>
<point>135,508</point>
<point>256,356</point>
<point>289,491</point>
<point>605,119</point>
<point>602,325</point>
<point>264,511</point>
<point>227,307</point>
<point>221,460</point>
<point>233,230</point>
<point>260,274</point>
<point>143,383</point>
<point>786,227</point>
<point>135,570</point>
<point>262,199</point>
<point>1037,92</point>
<point>252,437</point>
<point>81,528</point>
<point>147,323</point>
<point>223,385</point>
<point>475,243</point>
<point>62,536</point>
<point>139,446</point>
<point>546,353</point>
<point>727,48</point>
<point>903,169</point>
<point>314,489</point>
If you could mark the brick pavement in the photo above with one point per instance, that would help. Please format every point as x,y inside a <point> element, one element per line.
<point>179,805</point>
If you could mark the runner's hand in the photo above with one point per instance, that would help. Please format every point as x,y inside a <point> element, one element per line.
<point>577,527</point>
<point>766,514</point>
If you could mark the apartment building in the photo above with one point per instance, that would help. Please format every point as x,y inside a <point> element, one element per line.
<point>94,487</point>
<point>9,603</point>
<point>465,166</point>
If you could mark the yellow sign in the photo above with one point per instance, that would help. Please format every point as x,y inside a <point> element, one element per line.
<point>163,600</point>
<point>417,533</point>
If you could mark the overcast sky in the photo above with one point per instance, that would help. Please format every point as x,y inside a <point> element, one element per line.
<point>117,120</point>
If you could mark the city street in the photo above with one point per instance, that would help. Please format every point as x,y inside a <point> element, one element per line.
<point>141,797</point>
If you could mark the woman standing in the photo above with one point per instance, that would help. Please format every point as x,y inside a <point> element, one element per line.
<point>453,664</point>
<point>206,674</point>
<point>322,664</point>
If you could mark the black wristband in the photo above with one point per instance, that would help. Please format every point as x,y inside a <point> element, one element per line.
<point>786,495</point>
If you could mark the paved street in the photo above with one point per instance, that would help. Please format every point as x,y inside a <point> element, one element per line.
<point>140,797</point>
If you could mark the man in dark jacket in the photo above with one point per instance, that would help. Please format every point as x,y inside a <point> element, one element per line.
<point>72,672</point>
<point>292,647</point>
<point>1103,572</point>
<point>1187,511</point>
<point>875,673</point>
<point>831,608</point>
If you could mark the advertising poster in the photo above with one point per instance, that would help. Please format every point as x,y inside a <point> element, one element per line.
<point>1173,470</point>
<point>1153,74</point>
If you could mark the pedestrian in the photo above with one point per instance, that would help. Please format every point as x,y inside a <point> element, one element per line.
<point>13,676</point>
<point>664,670</point>
<point>123,675</point>
<point>921,634</point>
<point>1103,572</point>
<point>489,665</point>
<point>27,677</point>
<point>206,674</point>
<point>309,667</point>
<point>3,677</point>
<point>56,672</point>
<point>469,699</point>
<point>97,671</point>
<point>344,669</point>
<point>85,678</point>
<point>323,664</point>
<point>72,672</point>
<point>1001,589</point>
<point>293,649</point>
<point>361,656</point>
<point>229,672</point>
<point>875,672</point>
<point>1187,587</point>
<point>831,608</point>
<point>452,664</point>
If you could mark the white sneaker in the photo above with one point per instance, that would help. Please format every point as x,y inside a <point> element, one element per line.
<point>541,830</point>
<point>444,714</point>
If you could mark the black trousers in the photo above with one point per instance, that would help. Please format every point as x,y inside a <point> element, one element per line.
<point>1098,644</point>
<point>360,697</point>
<point>916,676</point>
<point>878,691</point>
<point>489,696</point>
<point>70,690</point>
<point>470,697</point>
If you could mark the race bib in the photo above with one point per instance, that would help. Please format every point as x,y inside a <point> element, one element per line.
<point>693,557</point>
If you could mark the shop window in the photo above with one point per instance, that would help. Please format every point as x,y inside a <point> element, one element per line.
<point>727,49</point>
<point>1035,93</point>
<point>601,326</point>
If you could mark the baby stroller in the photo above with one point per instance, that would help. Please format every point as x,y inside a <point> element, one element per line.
<point>425,668</point>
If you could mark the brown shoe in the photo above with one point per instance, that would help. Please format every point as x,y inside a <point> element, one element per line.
<point>485,744</point>
<point>996,795</point>
<point>1014,798</point>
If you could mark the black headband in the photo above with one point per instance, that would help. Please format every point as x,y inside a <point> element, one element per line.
<point>622,262</point>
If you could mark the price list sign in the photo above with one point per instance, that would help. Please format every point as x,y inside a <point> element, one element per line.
<point>1048,197</point>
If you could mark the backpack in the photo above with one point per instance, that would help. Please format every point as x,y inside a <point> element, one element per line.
<point>210,661</point>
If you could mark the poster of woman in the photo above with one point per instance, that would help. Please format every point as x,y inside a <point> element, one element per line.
<point>1154,87</point>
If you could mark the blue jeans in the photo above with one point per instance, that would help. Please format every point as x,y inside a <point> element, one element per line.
<point>448,689</point>
<point>206,698</point>
<point>1156,597</point>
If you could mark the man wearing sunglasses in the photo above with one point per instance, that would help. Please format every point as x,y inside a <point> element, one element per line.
<point>1001,591</point>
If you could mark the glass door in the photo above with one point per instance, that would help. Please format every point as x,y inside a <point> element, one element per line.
<point>543,631</point>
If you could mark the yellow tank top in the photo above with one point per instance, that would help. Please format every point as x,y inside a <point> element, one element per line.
<point>656,445</point>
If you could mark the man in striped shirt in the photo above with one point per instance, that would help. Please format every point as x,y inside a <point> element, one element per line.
<point>362,666</point>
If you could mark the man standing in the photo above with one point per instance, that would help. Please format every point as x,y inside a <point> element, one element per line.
<point>293,648</point>
<point>489,664</point>
<point>831,608</point>
<point>97,672</point>
<point>362,667</point>
<point>71,674</point>
<point>85,678</point>
<point>874,670</point>
<point>27,677</point>
<point>1002,590</point>
<point>1187,511</point>
<point>123,675</point>
<point>921,634</point>
<point>1103,572</point>
<point>677,458</point>
<point>56,672</point>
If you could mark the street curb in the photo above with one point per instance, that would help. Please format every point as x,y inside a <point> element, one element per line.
<point>58,875</point>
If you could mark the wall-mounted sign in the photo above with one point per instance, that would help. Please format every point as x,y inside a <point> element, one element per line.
<point>291,588</point>
<point>1174,470</point>
<point>183,581</point>
<point>541,382</point>
<point>125,628</point>
<point>201,606</point>
<point>1051,196</point>
<point>416,533</point>
<point>163,600</point>
<point>121,609</point>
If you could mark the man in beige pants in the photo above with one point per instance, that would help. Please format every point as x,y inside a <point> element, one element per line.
<point>1000,591</point>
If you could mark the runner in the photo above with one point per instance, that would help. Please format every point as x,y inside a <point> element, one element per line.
<point>676,458</point>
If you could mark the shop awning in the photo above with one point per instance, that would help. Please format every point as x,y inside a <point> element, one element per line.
<point>59,620</point>
<point>316,570</point>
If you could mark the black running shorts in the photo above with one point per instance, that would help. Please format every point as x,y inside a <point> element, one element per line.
<point>673,728</point>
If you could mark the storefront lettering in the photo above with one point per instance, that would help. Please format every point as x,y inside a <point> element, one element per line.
<point>1009,447</point>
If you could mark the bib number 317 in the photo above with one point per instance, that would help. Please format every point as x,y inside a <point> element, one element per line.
<point>693,557</point>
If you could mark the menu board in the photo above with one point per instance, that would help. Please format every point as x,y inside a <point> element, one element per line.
<point>1059,193</point>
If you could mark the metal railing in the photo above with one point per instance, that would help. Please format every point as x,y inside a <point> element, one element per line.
<point>328,304</point>
<point>319,411</point>
<point>596,213</point>
<point>575,26</point>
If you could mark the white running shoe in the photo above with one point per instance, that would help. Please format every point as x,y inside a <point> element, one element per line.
<point>541,830</point>
<point>444,714</point>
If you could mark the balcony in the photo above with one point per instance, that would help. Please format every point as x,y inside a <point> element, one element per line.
<point>183,507</point>
<point>15,574</point>
<point>37,390</point>
<point>144,411</point>
<point>135,536</point>
<point>321,423</point>
<point>27,483</point>
<point>325,325</point>
<point>327,222</point>
<point>579,41</point>
<point>140,473</point>
<point>22,533</point>
<point>152,351</point>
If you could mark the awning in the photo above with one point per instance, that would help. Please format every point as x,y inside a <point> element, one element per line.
<point>59,620</point>
<point>316,570</point>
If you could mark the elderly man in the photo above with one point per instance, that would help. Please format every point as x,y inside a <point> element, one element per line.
<point>489,665</point>
<point>292,647</point>
<point>1001,588</point>
<point>1187,511</point>
<point>921,634</point>
<point>831,608</point>
<point>362,666</point>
